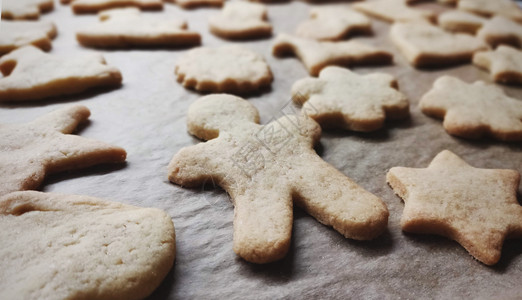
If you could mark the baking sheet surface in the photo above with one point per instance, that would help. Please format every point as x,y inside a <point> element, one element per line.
<point>146,116</point>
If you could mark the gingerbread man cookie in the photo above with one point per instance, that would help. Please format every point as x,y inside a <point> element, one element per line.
<point>16,34</point>
<point>393,11</point>
<point>343,99</point>
<point>231,69</point>
<point>25,9</point>
<point>504,64</point>
<point>478,208</point>
<point>488,8</point>
<point>31,74</point>
<point>94,6</point>
<point>333,23</point>
<point>30,151</point>
<point>127,27</point>
<point>316,55</point>
<point>500,30</point>
<point>426,45</point>
<point>267,168</point>
<point>79,247</point>
<point>474,110</point>
<point>241,20</point>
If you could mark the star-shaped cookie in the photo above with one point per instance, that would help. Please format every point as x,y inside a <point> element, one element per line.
<point>478,208</point>
<point>426,45</point>
<point>343,99</point>
<point>25,9</point>
<point>58,246</point>
<point>474,110</point>
<point>230,68</point>
<point>45,146</point>
<point>500,30</point>
<point>16,34</point>
<point>267,168</point>
<point>241,20</point>
<point>94,6</point>
<point>316,55</point>
<point>31,74</point>
<point>393,10</point>
<point>333,23</point>
<point>488,8</point>
<point>128,27</point>
<point>504,64</point>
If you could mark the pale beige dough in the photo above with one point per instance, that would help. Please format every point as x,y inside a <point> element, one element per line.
<point>474,110</point>
<point>46,146</point>
<point>343,99</point>
<point>241,20</point>
<point>16,34</point>
<point>488,8</point>
<point>426,45</point>
<point>504,64</point>
<point>333,23</point>
<point>25,9</point>
<point>478,208</point>
<point>127,27</point>
<point>500,30</point>
<point>393,10</point>
<point>461,21</point>
<point>95,6</point>
<point>230,68</point>
<point>78,247</point>
<point>316,55</point>
<point>31,74</point>
<point>267,168</point>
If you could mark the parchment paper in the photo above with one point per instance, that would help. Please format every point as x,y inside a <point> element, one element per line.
<point>146,116</point>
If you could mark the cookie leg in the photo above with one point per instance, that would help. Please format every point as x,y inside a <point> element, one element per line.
<point>334,200</point>
<point>262,225</point>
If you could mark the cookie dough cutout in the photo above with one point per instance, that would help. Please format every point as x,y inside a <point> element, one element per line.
<point>500,30</point>
<point>46,146</point>
<point>95,6</point>
<point>478,208</point>
<point>426,45</point>
<point>267,168</point>
<point>127,27</point>
<point>342,99</point>
<point>78,247</point>
<point>316,55</point>
<point>504,64</point>
<point>231,69</point>
<point>474,110</point>
<point>461,21</point>
<point>191,4</point>
<point>16,34</point>
<point>488,8</point>
<point>25,9</point>
<point>333,24</point>
<point>393,11</point>
<point>241,20</point>
<point>31,74</point>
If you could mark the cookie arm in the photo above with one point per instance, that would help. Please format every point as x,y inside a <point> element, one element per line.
<point>335,200</point>
<point>64,120</point>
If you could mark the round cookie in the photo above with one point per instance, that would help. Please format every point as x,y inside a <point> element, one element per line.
<point>79,247</point>
<point>231,69</point>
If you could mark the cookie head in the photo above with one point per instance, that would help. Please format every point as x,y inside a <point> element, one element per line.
<point>212,113</point>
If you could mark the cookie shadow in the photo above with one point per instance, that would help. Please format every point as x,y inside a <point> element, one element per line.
<point>486,142</point>
<point>164,290</point>
<point>380,246</point>
<point>90,93</point>
<point>98,170</point>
